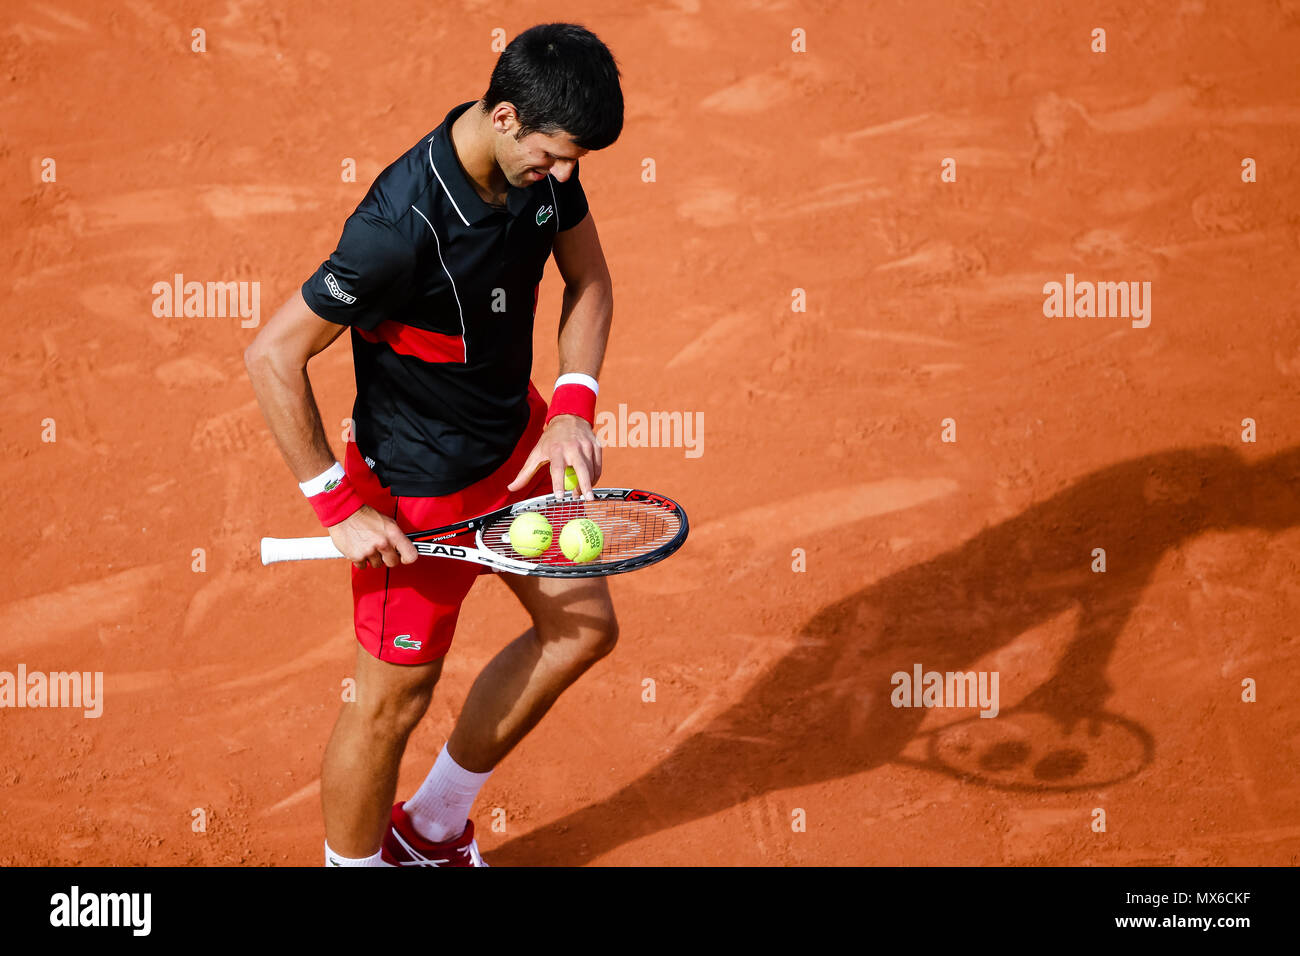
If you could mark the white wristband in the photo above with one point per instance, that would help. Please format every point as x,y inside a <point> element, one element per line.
<point>316,485</point>
<point>578,378</point>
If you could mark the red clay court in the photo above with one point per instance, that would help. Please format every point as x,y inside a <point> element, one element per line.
<point>781,179</point>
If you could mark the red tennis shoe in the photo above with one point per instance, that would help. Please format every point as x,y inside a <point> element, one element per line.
<point>404,847</point>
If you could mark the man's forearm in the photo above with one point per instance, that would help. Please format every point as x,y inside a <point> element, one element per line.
<point>289,407</point>
<point>585,319</point>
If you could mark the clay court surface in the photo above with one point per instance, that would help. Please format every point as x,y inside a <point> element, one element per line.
<point>775,171</point>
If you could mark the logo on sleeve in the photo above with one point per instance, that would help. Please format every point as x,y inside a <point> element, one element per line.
<point>332,284</point>
<point>544,214</point>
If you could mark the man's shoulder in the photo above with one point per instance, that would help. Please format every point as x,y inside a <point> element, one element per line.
<point>402,184</point>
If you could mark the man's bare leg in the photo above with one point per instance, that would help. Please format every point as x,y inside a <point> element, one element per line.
<point>359,773</point>
<point>573,627</point>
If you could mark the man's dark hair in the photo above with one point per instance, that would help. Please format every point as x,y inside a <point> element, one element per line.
<point>560,78</point>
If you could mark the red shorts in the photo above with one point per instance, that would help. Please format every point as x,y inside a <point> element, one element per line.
<point>407,614</point>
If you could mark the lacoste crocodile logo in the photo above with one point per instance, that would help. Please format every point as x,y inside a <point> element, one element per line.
<point>544,214</point>
<point>404,641</point>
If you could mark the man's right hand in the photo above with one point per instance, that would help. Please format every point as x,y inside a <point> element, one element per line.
<point>368,538</point>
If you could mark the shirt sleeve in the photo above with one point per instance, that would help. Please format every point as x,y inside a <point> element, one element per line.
<point>366,278</point>
<point>570,201</point>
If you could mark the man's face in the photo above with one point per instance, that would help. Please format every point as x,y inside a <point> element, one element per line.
<point>526,161</point>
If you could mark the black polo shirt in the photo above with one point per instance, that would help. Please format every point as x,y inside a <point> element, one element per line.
<point>439,289</point>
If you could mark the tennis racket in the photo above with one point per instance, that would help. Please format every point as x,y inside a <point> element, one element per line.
<point>640,528</point>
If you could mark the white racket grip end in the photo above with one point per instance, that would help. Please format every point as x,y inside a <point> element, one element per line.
<point>297,549</point>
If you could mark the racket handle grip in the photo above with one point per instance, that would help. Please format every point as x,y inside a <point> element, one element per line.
<point>297,549</point>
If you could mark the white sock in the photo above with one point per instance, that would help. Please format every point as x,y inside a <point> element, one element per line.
<point>440,807</point>
<point>337,859</point>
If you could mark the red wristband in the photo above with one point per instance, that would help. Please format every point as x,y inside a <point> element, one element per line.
<point>573,399</point>
<point>339,502</point>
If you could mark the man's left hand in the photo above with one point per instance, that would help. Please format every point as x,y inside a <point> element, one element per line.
<point>567,440</point>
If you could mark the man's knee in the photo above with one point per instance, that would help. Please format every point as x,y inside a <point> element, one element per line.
<point>594,637</point>
<point>605,635</point>
<point>392,710</point>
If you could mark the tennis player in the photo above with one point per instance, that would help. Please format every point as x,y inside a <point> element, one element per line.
<point>436,275</point>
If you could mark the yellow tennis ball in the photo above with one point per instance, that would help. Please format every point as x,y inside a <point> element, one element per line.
<point>570,478</point>
<point>530,534</point>
<point>581,540</point>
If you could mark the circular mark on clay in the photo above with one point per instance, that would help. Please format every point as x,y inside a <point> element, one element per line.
<point>1061,764</point>
<point>1004,756</point>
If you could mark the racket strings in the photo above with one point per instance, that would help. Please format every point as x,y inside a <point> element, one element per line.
<point>630,528</point>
